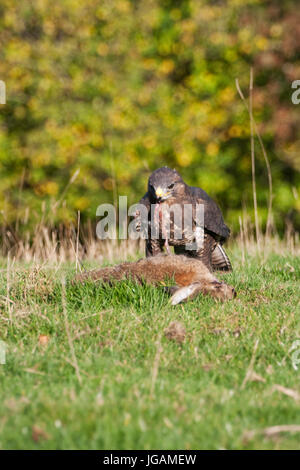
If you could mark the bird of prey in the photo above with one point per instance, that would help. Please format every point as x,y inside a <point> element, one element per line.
<point>166,188</point>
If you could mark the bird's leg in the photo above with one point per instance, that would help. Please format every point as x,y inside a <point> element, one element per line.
<point>153,247</point>
<point>164,231</point>
<point>159,216</point>
<point>205,252</point>
<point>167,246</point>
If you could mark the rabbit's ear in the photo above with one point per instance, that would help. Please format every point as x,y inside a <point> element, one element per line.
<point>185,293</point>
<point>170,289</point>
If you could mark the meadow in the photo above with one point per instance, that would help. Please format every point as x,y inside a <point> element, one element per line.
<point>90,367</point>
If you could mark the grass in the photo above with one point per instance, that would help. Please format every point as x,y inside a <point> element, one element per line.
<point>116,381</point>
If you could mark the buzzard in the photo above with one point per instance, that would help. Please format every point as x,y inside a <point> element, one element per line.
<point>166,188</point>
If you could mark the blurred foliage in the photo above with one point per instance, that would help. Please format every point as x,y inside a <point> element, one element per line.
<point>117,88</point>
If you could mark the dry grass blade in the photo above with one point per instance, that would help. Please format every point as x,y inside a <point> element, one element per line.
<point>265,155</point>
<point>77,241</point>
<point>271,431</point>
<point>72,179</point>
<point>274,430</point>
<point>287,391</point>
<point>254,377</point>
<point>250,368</point>
<point>30,370</point>
<point>253,159</point>
<point>242,238</point>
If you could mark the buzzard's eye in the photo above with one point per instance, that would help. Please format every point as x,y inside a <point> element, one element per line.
<point>171,186</point>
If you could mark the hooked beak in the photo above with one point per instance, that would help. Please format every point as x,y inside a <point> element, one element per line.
<point>160,194</point>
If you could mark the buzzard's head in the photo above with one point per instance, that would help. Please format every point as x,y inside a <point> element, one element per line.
<point>165,183</point>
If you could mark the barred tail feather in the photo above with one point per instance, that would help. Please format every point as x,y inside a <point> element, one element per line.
<point>219,259</point>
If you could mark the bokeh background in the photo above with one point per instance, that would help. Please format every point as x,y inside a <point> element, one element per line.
<point>99,93</point>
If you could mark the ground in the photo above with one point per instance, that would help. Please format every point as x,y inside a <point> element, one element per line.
<point>91,367</point>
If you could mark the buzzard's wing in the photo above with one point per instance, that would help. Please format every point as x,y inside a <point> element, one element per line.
<point>213,219</point>
<point>146,201</point>
<point>137,217</point>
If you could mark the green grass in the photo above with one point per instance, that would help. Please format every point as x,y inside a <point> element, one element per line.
<point>195,401</point>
